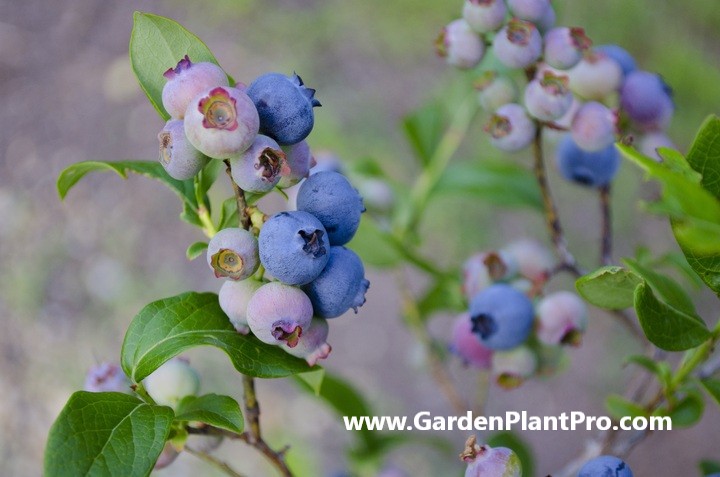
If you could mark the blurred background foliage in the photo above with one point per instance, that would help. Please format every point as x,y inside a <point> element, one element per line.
<point>73,274</point>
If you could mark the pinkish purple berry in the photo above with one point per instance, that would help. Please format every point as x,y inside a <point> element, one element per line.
<point>484,16</point>
<point>258,168</point>
<point>167,456</point>
<point>548,98</point>
<point>234,298</point>
<point>221,122</point>
<point>564,47</point>
<point>512,367</point>
<point>466,345</point>
<point>510,128</point>
<point>298,162</point>
<point>652,141</point>
<point>486,461</point>
<point>186,81</point>
<point>595,76</point>
<point>233,253</point>
<point>460,45</point>
<point>530,10</point>
<point>313,345</point>
<point>561,319</point>
<point>534,260</point>
<point>278,313</point>
<point>106,377</point>
<point>593,127</point>
<point>179,158</point>
<point>483,269</point>
<point>518,44</point>
<point>494,90</point>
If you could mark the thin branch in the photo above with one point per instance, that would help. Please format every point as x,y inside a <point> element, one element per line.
<point>606,245</point>
<point>214,461</point>
<point>242,207</point>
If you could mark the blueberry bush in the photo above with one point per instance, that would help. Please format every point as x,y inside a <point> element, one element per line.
<point>538,87</point>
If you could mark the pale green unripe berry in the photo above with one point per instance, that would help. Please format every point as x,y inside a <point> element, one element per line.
<point>171,382</point>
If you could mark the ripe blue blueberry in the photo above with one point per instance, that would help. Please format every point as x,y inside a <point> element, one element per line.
<point>486,461</point>
<point>258,168</point>
<point>466,345</point>
<point>530,10</point>
<point>620,56</point>
<point>484,16</point>
<point>518,44</point>
<point>234,298</point>
<point>106,377</point>
<point>494,90</point>
<point>564,47</point>
<point>561,319</point>
<point>605,466</point>
<point>512,367</point>
<point>313,345</point>
<point>221,122</point>
<point>285,106</point>
<point>278,314</point>
<point>510,128</point>
<point>595,76</point>
<point>294,247</point>
<point>593,127</point>
<point>340,286</point>
<point>547,22</point>
<point>647,100</point>
<point>186,81</point>
<point>233,253</point>
<point>501,316</point>
<point>548,98</point>
<point>179,158</point>
<point>331,198</point>
<point>298,162</point>
<point>171,382</point>
<point>460,45</point>
<point>592,169</point>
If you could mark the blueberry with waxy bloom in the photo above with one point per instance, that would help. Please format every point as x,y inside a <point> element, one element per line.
<point>486,461</point>
<point>593,127</point>
<point>494,90</point>
<point>561,318</point>
<point>595,76</point>
<point>221,122</point>
<point>299,160</point>
<point>466,345</point>
<point>234,297</point>
<point>605,466</point>
<point>258,168</point>
<point>530,10</point>
<point>278,314</point>
<point>186,81</point>
<point>510,128</point>
<point>548,98</point>
<point>502,316</point>
<point>233,253</point>
<point>313,345</point>
<point>171,382</point>
<point>564,47</point>
<point>620,56</point>
<point>340,287</point>
<point>484,16</point>
<point>591,169</point>
<point>294,247</point>
<point>179,158</point>
<point>518,44</point>
<point>460,45</point>
<point>647,100</point>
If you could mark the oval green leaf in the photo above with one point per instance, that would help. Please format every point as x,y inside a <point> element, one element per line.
<point>167,327</point>
<point>612,287</point>
<point>106,434</point>
<point>219,411</point>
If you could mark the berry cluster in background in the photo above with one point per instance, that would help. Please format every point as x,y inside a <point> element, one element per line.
<point>593,95</point>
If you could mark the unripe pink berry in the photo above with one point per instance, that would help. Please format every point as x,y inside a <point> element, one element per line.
<point>593,127</point>
<point>233,253</point>
<point>258,168</point>
<point>313,345</point>
<point>511,368</point>
<point>460,45</point>
<point>179,158</point>
<point>561,318</point>
<point>298,162</point>
<point>278,314</point>
<point>595,76</point>
<point>234,297</point>
<point>186,81</point>
<point>484,16</point>
<point>466,345</point>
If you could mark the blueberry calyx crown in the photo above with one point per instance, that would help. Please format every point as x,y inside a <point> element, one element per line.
<point>288,332</point>
<point>557,85</point>
<point>165,139</point>
<point>182,65</point>
<point>498,126</point>
<point>313,243</point>
<point>308,92</point>
<point>496,267</point>
<point>270,162</point>
<point>484,325</point>
<point>227,263</point>
<point>580,39</point>
<point>519,32</point>
<point>441,44</point>
<point>219,110</point>
<point>484,80</point>
<point>472,450</point>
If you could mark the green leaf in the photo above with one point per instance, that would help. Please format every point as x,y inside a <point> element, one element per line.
<point>313,379</point>
<point>609,287</point>
<point>374,246</point>
<point>619,407</point>
<point>666,287</point>
<point>522,449</point>
<point>666,327</point>
<point>500,183</point>
<point>156,45</point>
<point>687,411</point>
<point>167,327</point>
<point>659,368</point>
<point>712,386</point>
<point>106,434</point>
<point>228,214</point>
<point>708,467</point>
<point>424,129</point>
<point>704,155</point>
<point>195,250</point>
<point>152,169</point>
<point>214,409</point>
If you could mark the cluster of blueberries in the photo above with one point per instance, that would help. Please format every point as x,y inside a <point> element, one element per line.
<point>261,129</point>
<point>512,328</point>
<point>595,94</point>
